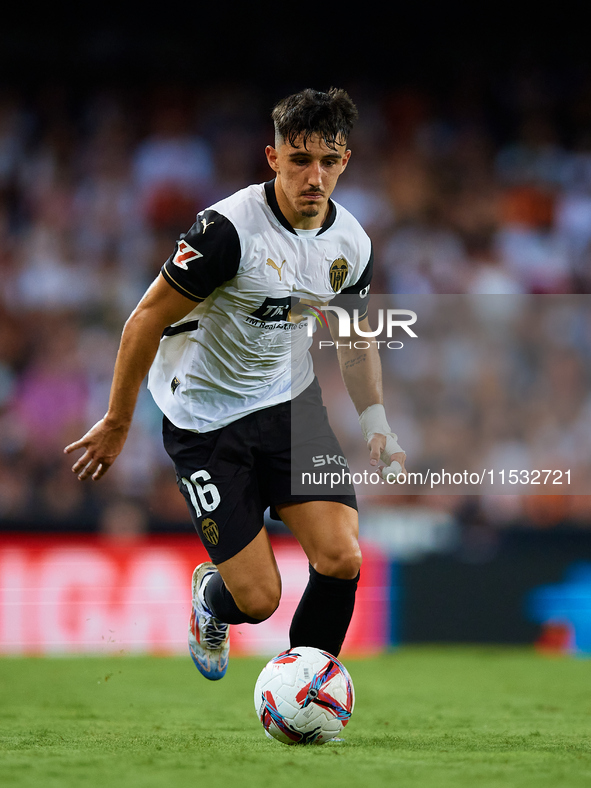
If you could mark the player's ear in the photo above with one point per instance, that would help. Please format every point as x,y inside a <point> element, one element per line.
<point>272,157</point>
<point>345,159</point>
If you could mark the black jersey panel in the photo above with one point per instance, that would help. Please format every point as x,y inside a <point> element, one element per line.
<point>205,257</point>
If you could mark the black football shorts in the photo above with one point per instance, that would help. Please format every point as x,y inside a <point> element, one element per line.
<point>230,476</point>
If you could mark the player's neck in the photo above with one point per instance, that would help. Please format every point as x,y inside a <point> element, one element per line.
<point>295,219</point>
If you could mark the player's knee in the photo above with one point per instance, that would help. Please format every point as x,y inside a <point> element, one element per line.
<point>344,564</point>
<point>261,604</point>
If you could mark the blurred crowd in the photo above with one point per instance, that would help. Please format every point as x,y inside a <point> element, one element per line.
<point>458,198</point>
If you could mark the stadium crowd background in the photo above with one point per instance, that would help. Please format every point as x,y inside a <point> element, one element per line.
<point>482,189</point>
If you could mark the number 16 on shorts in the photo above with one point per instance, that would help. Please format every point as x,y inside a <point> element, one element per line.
<point>204,497</point>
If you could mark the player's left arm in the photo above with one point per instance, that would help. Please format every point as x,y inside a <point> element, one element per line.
<point>362,374</point>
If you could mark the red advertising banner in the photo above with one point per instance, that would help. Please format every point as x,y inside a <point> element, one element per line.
<point>64,595</point>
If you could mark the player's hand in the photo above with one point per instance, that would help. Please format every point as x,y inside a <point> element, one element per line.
<point>379,451</point>
<point>103,444</point>
<point>382,443</point>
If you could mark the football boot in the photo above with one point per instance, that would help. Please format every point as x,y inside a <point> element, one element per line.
<point>209,638</point>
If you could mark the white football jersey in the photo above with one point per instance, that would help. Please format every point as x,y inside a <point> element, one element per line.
<point>244,264</point>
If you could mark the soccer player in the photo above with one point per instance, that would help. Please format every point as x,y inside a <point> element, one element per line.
<point>222,333</point>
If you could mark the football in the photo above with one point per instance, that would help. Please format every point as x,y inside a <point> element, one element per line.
<point>304,696</point>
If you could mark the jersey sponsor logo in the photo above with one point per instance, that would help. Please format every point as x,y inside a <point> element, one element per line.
<point>276,267</point>
<point>210,530</point>
<point>273,309</point>
<point>338,273</point>
<point>363,293</point>
<point>185,254</point>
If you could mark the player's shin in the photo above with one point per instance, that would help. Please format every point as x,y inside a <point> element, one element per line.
<point>324,612</point>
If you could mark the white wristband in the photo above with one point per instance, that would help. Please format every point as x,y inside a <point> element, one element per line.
<point>373,420</point>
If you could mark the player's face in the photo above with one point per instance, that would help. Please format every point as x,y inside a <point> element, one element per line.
<point>306,177</point>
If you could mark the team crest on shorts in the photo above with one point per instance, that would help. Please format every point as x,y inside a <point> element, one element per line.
<point>338,273</point>
<point>210,531</point>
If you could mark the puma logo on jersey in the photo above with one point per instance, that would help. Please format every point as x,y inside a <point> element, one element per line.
<point>205,225</point>
<point>184,254</point>
<point>274,265</point>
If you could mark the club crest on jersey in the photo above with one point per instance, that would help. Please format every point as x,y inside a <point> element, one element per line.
<point>338,273</point>
<point>210,531</point>
<point>184,254</point>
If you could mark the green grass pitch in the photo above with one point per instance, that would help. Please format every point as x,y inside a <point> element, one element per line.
<point>424,717</point>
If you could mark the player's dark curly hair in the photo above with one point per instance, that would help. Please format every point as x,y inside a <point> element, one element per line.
<point>330,115</point>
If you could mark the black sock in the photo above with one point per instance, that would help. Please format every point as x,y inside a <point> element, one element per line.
<point>324,613</point>
<point>221,603</point>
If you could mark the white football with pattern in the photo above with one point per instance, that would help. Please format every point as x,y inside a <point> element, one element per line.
<point>304,696</point>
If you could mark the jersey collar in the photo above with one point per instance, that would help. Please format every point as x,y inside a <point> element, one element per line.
<point>274,206</point>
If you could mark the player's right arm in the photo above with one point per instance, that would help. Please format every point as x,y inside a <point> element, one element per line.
<point>203,258</point>
<point>161,306</point>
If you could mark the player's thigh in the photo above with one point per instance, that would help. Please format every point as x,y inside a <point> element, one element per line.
<point>215,473</point>
<point>252,577</point>
<point>328,532</point>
